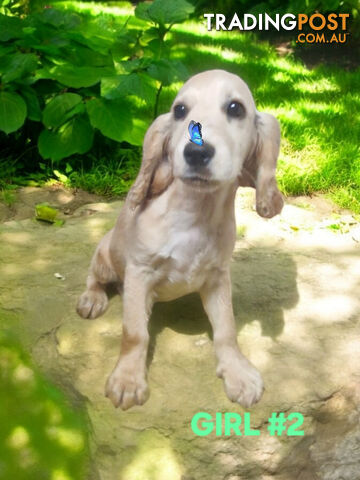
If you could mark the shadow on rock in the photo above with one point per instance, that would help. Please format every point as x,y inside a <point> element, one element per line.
<point>264,285</point>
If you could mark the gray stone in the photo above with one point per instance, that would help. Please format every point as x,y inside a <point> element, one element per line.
<point>296,301</point>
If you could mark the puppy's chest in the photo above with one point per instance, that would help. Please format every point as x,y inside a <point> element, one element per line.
<point>182,249</point>
<point>184,261</point>
<point>189,251</point>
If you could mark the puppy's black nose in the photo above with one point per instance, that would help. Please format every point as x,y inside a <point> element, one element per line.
<point>198,155</point>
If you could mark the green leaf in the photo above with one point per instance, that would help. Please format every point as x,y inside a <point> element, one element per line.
<point>133,66</point>
<point>17,66</point>
<point>124,46</point>
<point>136,135</point>
<point>112,117</point>
<point>150,34</point>
<point>170,11</point>
<point>45,213</point>
<point>73,76</point>
<point>83,56</point>
<point>12,112</point>
<point>138,84</point>
<point>75,136</point>
<point>68,168</point>
<point>167,71</point>
<point>60,18</point>
<point>164,11</point>
<point>142,11</point>
<point>98,39</point>
<point>55,112</point>
<point>32,103</point>
<point>154,48</point>
<point>63,178</point>
<point>10,27</point>
<point>6,49</point>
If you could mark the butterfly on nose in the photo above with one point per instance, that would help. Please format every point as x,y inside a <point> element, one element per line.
<point>195,133</point>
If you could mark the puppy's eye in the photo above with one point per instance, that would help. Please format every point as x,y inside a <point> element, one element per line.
<point>236,109</point>
<point>180,111</point>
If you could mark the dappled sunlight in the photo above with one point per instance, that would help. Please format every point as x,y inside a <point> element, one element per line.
<point>222,53</point>
<point>261,356</point>
<point>333,308</point>
<point>65,344</point>
<point>319,107</point>
<point>284,77</point>
<point>19,238</point>
<point>93,335</point>
<point>313,106</point>
<point>288,65</point>
<point>317,86</point>
<point>59,474</point>
<point>40,435</point>
<point>286,296</point>
<point>24,375</point>
<point>154,459</point>
<point>10,269</point>
<point>295,283</point>
<point>70,439</point>
<point>289,113</point>
<point>299,164</point>
<point>18,438</point>
<point>97,8</point>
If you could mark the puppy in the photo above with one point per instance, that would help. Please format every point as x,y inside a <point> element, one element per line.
<point>176,231</point>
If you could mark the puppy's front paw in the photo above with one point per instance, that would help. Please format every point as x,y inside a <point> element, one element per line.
<point>242,382</point>
<point>126,388</point>
<point>92,303</point>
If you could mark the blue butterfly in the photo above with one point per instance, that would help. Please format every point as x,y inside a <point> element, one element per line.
<point>195,133</point>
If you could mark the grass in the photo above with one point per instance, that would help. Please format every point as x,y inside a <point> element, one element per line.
<point>319,109</point>
<point>107,176</point>
<point>8,197</point>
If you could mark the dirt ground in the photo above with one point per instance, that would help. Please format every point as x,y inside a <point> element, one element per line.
<point>22,205</point>
<point>296,282</point>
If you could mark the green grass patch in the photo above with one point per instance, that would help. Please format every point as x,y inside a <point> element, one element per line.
<point>318,109</point>
<point>8,197</point>
<point>106,176</point>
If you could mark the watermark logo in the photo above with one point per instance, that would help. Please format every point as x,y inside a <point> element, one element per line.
<point>330,28</point>
<point>231,423</point>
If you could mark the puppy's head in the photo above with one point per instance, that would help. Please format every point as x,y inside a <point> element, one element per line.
<point>239,143</point>
<point>224,106</point>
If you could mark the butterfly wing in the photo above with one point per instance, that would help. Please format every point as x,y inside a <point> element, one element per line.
<point>195,133</point>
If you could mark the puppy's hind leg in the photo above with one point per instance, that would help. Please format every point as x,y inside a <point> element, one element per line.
<point>94,301</point>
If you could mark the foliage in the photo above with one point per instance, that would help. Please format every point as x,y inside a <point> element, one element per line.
<point>64,76</point>
<point>318,108</point>
<point>103,176</point>
<point>40,436</point>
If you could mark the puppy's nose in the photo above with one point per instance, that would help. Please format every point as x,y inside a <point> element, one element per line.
<point>198,155</point>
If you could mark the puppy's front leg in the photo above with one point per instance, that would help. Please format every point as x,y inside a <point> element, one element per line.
<point>127,384</point>
<point>242,382</point>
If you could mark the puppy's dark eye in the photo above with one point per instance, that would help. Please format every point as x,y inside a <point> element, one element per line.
<point>236,109</point>
<point>180,111</point>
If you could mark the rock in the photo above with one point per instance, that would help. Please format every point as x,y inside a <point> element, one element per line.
<point>296,302</point>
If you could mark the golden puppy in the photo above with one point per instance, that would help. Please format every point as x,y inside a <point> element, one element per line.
<point>176,231</point>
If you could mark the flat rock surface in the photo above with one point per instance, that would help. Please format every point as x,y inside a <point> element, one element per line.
<point>296,281</point>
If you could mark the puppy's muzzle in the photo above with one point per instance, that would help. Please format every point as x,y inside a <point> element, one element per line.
<point>197,156</point>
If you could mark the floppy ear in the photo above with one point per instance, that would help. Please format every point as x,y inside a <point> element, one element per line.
<point>259,168</point>
<point>155,173</point>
